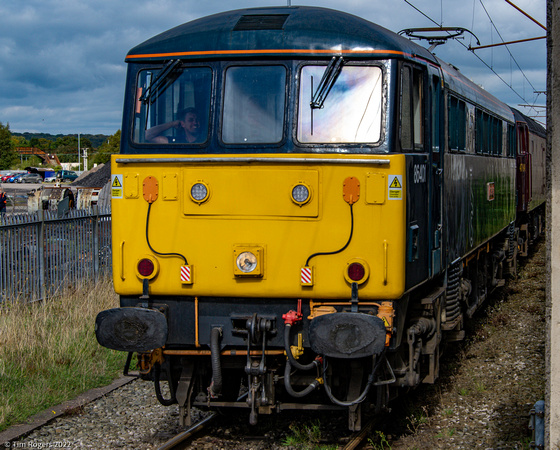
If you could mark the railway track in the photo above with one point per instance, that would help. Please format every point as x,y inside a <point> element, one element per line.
<point>357,439</point>
<point>180,441</point>
<point>489,408</point>
<point>180,438</point>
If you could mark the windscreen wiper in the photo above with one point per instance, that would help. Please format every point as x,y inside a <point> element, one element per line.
<point>162,78</point>
<point>327,81</point>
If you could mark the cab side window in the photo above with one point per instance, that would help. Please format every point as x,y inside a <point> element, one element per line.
<point>412,109</point>
<point>457,124</point>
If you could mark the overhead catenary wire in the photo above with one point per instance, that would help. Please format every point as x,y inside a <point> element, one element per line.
<point>512,58</point>
<point>507,48</point>
<point>477,56</point>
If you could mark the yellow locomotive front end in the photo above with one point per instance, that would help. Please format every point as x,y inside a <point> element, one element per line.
<point>259,227</point>
<point>263,264</point>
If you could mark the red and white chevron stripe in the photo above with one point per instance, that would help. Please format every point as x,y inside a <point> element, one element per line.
<point>306,276</point>
<point>186,274</point>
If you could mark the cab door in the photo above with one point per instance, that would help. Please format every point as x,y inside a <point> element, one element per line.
<point>435,188</point>
<point>414,140</point>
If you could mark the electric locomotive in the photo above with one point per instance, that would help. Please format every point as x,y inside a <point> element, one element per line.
<point>305,206</point>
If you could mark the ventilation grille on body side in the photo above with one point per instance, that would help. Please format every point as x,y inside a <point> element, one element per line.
<point>261,22</point>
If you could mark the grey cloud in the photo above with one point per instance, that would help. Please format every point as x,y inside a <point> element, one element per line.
<point>62,61</point>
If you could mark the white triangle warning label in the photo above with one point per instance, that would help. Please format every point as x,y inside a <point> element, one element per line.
<point>395,184</point>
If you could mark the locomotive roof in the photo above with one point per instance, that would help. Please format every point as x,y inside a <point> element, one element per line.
<point>276,31</point>
<point>299,31</point>
<point>470,91</point>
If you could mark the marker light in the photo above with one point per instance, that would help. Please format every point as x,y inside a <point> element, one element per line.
<point>199,192</point>
<point>357,271</point>
<point>246,262</point>
<point>146,267</point>
<point>300,194</point>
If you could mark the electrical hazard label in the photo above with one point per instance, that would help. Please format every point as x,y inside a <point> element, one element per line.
<point>116,186</point>
<point>396,184</point>
<point>395,187</point>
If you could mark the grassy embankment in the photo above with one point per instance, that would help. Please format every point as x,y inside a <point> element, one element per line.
<point>49,354</point>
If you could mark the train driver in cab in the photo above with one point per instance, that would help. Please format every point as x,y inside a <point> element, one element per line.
<point>188,126</point>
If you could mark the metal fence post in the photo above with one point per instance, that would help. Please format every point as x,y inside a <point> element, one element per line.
<point>96,241</point>
<point>41,254</point>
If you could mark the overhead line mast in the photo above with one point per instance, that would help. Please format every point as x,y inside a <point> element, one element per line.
<point>525,14</point>
<point>506,43</point>
<point>518,41</point>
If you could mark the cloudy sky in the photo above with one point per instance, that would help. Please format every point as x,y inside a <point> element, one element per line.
<point>62,64</point>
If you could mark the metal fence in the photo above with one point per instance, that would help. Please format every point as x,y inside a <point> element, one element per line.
<point>16,202</point>
<point>42,253</point>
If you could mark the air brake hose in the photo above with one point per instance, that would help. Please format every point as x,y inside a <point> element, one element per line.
<point>290,389</point>
<point>164,401</point>
<point>291,359</point>
<point>361,397</point>
<point>215,388</point>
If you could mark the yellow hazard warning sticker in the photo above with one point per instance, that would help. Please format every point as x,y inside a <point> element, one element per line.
<point>396,183</point>
<point>395,187</point>
<point>116,186</point>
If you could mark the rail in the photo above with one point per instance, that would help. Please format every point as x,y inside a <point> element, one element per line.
<point>42,253</point>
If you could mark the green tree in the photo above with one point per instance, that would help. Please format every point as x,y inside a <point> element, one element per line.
<point>8,156</point>
<point>110,146</point>
<point>66,148</point>
<point>44,144</point>
<point>19,141</point>
<point>28,161</point>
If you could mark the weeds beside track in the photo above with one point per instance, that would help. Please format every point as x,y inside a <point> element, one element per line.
<point>48,351</point>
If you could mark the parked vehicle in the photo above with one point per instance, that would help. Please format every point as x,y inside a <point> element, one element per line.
<point>14,178</point>
<point>4,178</point>
<point>49,176</point>
<point>31,178</point>
<point>66,175</point>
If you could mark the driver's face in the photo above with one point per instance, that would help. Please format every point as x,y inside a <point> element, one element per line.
<point>191,124</point>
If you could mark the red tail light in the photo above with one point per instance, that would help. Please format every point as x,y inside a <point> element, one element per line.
<point>356,271</point>
<point>145,267</point>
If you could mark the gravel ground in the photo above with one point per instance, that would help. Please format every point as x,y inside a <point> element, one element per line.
<point>127,418</point>
<point>487,387</point>
<point>483,399</point>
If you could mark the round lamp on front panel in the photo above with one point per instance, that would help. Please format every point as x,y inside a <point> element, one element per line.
<point>246,262</point>
<point>199,192</point>
<point>301,194</point>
